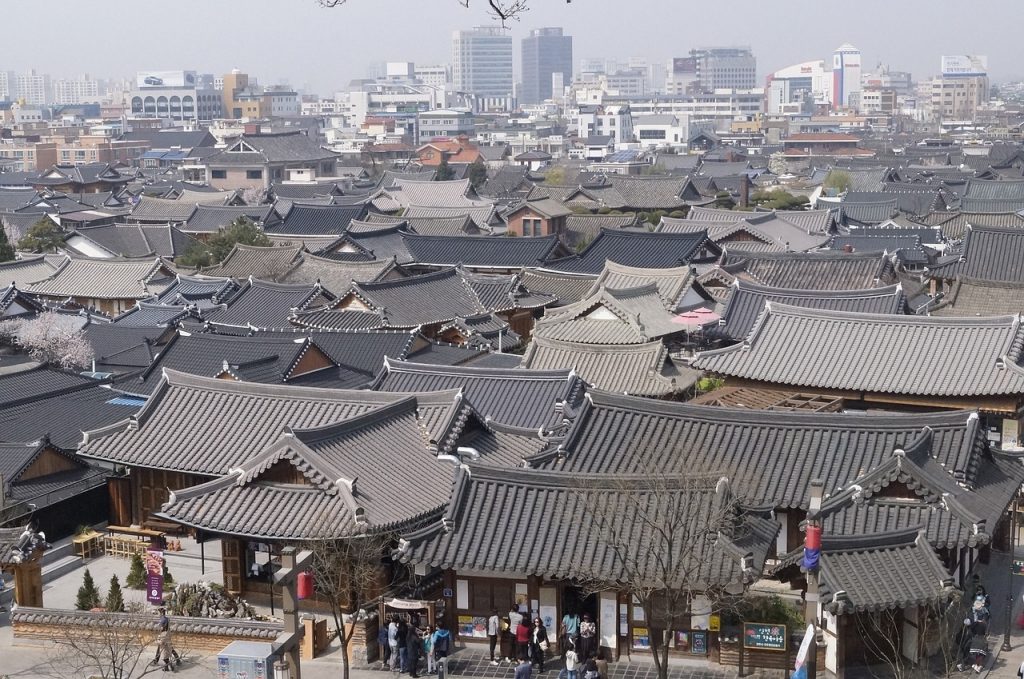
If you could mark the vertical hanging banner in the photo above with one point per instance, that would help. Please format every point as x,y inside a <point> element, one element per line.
<point>154,575</point>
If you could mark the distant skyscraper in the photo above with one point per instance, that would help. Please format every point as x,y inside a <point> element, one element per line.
<point>545,52</point>
<point>84,90</point>
<point>733,68</point>
<point>8,85</point>
<point>482,62</point>
<point>846,69</point>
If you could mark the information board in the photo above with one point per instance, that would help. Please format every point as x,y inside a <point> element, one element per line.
<point>764,636</point>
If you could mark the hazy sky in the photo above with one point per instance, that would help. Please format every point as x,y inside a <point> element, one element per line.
<point>299,42</point>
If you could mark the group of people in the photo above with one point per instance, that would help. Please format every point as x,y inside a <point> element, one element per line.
<point>404,643</point>
<point>972,640</point>
<point>528,642</point>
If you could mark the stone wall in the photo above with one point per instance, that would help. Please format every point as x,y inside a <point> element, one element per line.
<point>194,634</point>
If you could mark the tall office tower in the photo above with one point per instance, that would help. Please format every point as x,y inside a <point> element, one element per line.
<point>545,52</point>
<point>482,62</point>
<point>846,77</point>
<point>733,68</point>
<point>34,88</point>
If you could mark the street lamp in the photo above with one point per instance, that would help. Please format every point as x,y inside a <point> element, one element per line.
<point>1009,574</point>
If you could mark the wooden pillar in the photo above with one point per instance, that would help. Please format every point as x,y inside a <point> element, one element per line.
<point>28,583</point>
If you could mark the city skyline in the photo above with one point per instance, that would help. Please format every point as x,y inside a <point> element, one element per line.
<point>340,43</point>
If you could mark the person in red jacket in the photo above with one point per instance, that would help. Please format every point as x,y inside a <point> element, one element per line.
<point>523,639</point>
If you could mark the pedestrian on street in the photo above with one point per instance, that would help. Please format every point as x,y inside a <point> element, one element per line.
<point>572,661</point>
<point>538,644</point>
<point>588,631</point>
<point>428,650</point>
<point>413,643</point>
<point>493,629</point>
<point>569,633</point>
<point>524,670</point>
<point>515,618</point>
<point>385,647</point>
<point>403,651</point>
<point>441,641</point>
<point>979,647</point>
<point>164,646</point>
<point>393,642</point>
<point>523,633</point>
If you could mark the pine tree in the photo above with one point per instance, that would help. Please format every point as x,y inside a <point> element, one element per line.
<point>6,249</point>
<point>88,593</point>
<point>168,578</point>
<point>136,573</point>
<point>115,601</point>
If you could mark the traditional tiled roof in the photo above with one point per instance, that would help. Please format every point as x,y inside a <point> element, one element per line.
<point>638,249</point>
<point>14,302</point>
<point>260,149</point>
<point>970,297</point>
<point>451,193</point>
<point>583,228</point>
<point>643,369</point>
<point>462,225</point>
<point>317,220</point>
<point>62,413</point>
<point>419,300</point>
<point>480,251</point>
<point>612,316</point>
<point>163,210</point>
<point>213,443</point>
<point>213,218</point>
<point>482,215</point>
<point>988,253</point>
<point>474,531</point>
<point>486,331</point>
<point>27,270</point>
<point>337,276</point>
<point>565,287</point>
<point>271,263</point>
<point>112,278</point>
<point>995,190</point>
<point>130,240</point>
<point>201,290</point>
<point>45,489</point>
<point>649,193</point>
<point>523,398</point>
<point>747,302</point>
<point>672,283</point>
<point>772,455</point>
<point>151,315</point>
<point>505,292</point>
<point>819,349</point>
<point>812,271</point>
<point>750,232</point>
<point>868,212</point>
<point>233,628</point>
<point>269,305</point>
<point>356,479</point>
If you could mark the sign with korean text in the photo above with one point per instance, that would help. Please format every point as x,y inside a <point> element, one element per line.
<point>764,636</point>
<point>154,575</point>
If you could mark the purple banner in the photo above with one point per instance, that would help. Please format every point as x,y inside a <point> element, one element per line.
<point>154,575</point>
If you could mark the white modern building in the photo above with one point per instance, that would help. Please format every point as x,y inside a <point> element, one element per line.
<point>33,88</point>
<point>443,122</point>
<point>846,77</point>
<point>661,130</point>
<point>78,91</point>
<point>791,89</point>
<point>614,121</point>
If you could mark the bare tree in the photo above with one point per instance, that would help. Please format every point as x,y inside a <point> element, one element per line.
<point>111,646</point>
<point>51,338</point>
<point>660,539</point>
<point>881,636</point>
<point>502,10</point>
<point>349,575</point>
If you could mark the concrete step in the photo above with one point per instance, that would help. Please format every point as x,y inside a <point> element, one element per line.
<point>60,567</point>
<point>56,552</point>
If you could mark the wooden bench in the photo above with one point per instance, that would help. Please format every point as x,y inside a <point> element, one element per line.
<point>88,545</point>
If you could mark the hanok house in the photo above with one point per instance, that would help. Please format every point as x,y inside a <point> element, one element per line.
<point>897,541</point>
<point>50,485</point>
<point>977,361</point>
<point>111,286</point>
<point>257,160</point>
<point>542,217</point>
<point>523,537</point>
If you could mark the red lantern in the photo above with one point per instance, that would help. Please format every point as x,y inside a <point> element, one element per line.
<point>812,540</point>
<point>304,587</point>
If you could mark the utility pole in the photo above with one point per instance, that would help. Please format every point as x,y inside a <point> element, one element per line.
<point>812,556</point>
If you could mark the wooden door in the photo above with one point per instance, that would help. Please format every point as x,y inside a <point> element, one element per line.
<point>231,551</point>
<point>120,491</point>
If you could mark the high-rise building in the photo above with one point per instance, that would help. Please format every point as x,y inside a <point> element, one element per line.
<point>8,85</point>
<point>725,68</point>
<point>34,88</point>
<point>846,72</point>
<point>482,62</point>
<point>83,90</point>
<point>546,51</point>
<point>961,89</point>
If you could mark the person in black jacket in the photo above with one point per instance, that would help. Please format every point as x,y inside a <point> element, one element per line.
<point>413,644</point>
<point>538,644</point>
